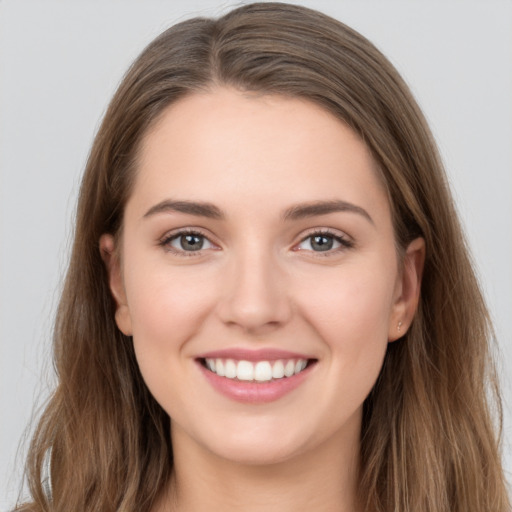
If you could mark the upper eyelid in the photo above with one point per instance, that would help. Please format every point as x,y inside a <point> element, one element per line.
<point>327,231</point>
<point>336,233</point>
<point>173,233</point>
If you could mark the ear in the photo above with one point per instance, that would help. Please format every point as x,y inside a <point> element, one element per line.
<point>110,257</point>
<point>407,291</point>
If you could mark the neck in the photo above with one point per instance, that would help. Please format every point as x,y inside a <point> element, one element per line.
<point>324,480</point>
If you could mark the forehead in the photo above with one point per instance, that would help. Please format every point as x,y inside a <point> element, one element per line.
<point>230,144</point>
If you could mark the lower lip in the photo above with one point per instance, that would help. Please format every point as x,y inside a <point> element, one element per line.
<point>255,392</point>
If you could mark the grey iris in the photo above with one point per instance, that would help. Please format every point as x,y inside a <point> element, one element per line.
<point>322,243</point>
<point>191,242</point>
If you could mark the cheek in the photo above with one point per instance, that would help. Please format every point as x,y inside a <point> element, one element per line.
<point>351,314</point>
<point>353,301</point>
<point>166,302</point>
<point>167,308</point>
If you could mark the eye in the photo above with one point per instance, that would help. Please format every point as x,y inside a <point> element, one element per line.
<point>324,242</point>
<point>186,242</point>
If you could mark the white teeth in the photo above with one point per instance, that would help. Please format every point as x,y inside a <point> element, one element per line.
<point>277,370</point>
<point>261,371</point>
<point>300,365</point>
<point>289,369</point>
<point>230,369</point>
<point>244,370</point>
<point>219,367</point>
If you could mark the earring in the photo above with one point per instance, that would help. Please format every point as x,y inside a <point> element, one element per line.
<point>399,326</point>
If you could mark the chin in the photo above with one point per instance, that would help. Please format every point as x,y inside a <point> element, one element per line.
<point>258,454</point>
<point>259,446</point>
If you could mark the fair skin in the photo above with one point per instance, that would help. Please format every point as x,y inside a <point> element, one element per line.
<point>258,229</point>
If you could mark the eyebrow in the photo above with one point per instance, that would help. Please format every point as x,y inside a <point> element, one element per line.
<point>296,212</point>
<point>190,207</point>
<point>316,208</point>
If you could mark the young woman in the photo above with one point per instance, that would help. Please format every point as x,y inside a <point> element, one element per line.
<point>269,304</point>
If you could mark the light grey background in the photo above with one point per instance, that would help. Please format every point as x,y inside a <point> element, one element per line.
<point>59,65</point>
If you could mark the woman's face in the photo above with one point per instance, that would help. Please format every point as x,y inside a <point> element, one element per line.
<point>259,275</point>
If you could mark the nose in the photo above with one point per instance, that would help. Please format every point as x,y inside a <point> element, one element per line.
<point>255,297</point>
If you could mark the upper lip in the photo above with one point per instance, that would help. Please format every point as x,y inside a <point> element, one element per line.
<point>262,354</point>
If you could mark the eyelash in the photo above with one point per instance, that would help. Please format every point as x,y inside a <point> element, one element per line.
<point>345,243</point>
<point>343,240</point>
<point>167,239</point>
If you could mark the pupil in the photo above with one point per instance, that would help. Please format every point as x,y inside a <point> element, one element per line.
<point>322,243</point>
<point>191,242</point>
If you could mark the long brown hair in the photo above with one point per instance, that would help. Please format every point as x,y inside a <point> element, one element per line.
<point>431,423</point>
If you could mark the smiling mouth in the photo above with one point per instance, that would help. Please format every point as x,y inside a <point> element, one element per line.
<point>256,371</point>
